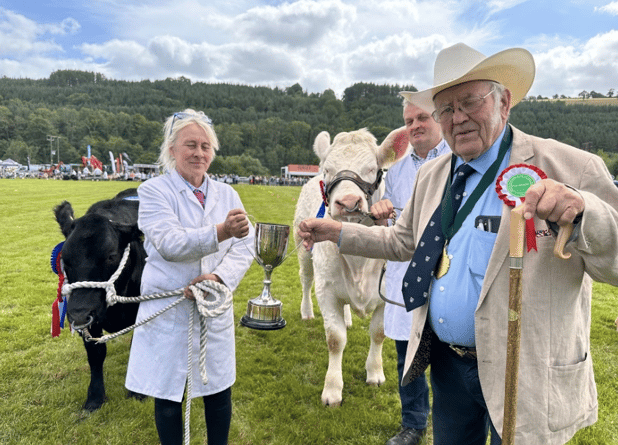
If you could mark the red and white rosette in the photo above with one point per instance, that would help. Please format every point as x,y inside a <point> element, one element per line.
<point>512,185</point>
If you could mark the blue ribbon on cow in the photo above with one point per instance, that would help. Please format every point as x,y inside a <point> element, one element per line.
<point>55,256</point>
<point>59,307</point>
<point>321,211</point>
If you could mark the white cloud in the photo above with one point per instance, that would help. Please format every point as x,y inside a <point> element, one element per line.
<point>299,24</point>
<point>20,36</point>
<point>610,8</point>
<point>400,59</point>
<point>573,68</point>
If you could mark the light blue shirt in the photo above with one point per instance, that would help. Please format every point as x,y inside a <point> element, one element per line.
<point>455,296</point>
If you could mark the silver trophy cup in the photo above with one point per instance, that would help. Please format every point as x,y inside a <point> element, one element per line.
<point>271,244</point>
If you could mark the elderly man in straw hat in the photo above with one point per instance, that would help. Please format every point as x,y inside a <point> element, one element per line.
<point>456,230</point>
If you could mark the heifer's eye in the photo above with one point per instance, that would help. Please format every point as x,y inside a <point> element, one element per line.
<point>369,173</point>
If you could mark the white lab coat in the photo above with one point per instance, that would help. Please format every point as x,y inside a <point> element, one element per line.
<point>181,243</point>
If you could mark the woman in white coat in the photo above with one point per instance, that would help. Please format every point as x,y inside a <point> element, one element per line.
<point>194,229</point>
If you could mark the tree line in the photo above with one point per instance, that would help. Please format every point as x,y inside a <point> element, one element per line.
<point>260,129</point>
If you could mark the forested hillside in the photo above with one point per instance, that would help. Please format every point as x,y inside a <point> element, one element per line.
<point>260,128</point>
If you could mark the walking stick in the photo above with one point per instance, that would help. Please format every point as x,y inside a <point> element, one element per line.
<point>516,253</point>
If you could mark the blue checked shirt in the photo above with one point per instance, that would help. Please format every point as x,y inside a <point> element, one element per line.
<point>203,187</point>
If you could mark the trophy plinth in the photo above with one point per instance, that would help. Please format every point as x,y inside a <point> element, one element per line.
<point>271,243</point>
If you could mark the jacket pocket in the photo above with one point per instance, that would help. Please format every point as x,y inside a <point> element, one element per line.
<point>570,397</point>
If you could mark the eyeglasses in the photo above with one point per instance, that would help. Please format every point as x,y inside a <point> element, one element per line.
<point>182,115</point>
<point>469,105</point>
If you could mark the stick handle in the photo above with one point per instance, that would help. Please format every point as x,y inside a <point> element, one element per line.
<point>563,236</point>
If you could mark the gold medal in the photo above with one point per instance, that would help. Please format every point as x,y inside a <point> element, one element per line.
<point>445,263</point>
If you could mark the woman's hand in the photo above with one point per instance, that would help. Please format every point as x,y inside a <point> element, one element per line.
<point>206,276</point>
<point>235,225</point>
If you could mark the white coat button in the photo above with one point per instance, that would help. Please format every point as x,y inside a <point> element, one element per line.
<point>441,288</point>
<point>441,320</point>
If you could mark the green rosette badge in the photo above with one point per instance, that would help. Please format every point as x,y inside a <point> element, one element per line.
<point>512,185</point>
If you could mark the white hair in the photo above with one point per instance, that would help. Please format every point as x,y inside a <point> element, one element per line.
<point>177,122</point>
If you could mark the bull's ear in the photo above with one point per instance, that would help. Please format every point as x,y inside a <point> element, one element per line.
<point>321,145</point>
<point>394,147</point>
<point>65,217</point>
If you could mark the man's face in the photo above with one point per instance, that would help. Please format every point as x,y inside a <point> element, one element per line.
<point>471,134</point>
<point>423,131</point>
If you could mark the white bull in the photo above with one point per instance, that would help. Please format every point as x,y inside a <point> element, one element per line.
<point>344,281</point>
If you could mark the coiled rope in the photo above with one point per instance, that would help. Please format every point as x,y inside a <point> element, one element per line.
<point>211,299</point>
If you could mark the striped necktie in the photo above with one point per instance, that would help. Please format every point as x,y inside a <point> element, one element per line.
<point>199,195</point>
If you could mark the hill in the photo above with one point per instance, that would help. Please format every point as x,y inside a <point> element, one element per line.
<point>260,128</point>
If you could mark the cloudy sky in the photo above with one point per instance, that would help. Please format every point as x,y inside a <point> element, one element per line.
<point>320,44</point>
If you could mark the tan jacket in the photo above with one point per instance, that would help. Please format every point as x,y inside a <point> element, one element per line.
<point>557,392</point>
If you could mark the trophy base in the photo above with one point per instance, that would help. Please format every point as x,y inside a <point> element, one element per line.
<point>262,325</point>
<point>262,315</point>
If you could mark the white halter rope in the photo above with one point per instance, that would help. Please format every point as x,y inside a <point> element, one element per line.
<point>207,308</point>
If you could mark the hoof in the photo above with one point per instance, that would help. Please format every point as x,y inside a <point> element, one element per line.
<point>93,405</point>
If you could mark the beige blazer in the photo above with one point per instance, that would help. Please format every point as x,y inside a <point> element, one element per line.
<point>557,392</point>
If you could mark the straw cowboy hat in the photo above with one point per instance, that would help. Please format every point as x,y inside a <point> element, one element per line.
<point>513,68</point>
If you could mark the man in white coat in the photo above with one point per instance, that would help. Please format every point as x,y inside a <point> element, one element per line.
<point>195,229</point>
<point>426,143</point>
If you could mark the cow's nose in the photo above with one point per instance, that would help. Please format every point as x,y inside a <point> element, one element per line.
<point>80,319</point>
<point>349,203</point>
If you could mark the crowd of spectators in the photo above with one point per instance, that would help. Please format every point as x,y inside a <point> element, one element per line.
<point>98,175</point>
<point>259,180</point>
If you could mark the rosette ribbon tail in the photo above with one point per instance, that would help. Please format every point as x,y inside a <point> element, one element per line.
<point>531,235</point>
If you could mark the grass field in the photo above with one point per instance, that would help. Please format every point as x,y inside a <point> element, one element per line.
<point>276,398</point>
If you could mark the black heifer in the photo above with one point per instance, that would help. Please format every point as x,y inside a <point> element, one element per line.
<point>92,251</point>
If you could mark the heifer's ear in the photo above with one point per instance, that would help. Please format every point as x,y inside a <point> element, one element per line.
<point>64,217</point>
<point>321,145</point>
<point>394,147</point>
<point>128,232</point>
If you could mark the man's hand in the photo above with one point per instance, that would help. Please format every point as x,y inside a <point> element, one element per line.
<point>315,230</point>
<point>553,201</point>
<point>382,211</point>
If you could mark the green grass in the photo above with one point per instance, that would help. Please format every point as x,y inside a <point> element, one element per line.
<point>276,398</point>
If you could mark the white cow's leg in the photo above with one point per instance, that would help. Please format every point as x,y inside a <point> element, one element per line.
<point>336,337</point>
<point>347,316</point>
<point>306,280</point>
<point>373,365</point>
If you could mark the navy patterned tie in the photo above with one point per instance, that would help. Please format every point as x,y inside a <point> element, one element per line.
<point>418,277</point>
<point>199,195</point>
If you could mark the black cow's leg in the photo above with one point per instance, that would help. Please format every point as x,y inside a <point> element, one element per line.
<point>96,391</point>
